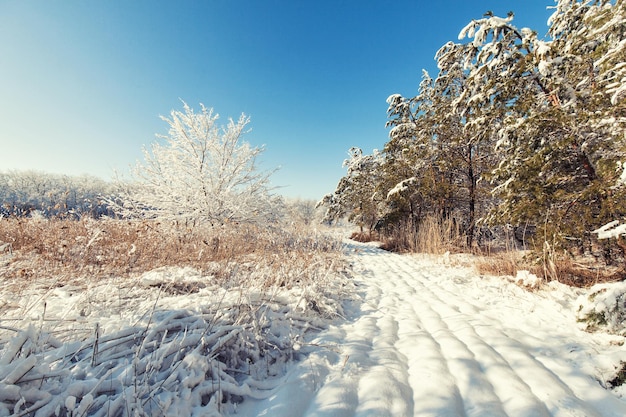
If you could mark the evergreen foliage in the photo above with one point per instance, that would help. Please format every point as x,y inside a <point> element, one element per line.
<point>514,131</point>
<point>355,196</point>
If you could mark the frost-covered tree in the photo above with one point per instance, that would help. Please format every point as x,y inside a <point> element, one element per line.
<point>355,196</point>
<point>200,172</point>
<point>22,192</point>
<point>302,211</point>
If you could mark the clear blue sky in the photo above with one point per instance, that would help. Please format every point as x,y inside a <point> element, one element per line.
<point>82,82</point>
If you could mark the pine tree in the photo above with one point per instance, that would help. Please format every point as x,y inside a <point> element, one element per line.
<point>355,194</point>
<point>559,139</point>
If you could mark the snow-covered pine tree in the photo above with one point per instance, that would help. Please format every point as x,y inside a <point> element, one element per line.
<point>444,148</point>
<point>467,134</point>
<point>414,179</point>
<point>562,128</point>
<point>201,172</point>
<point>355,194</point>
<point>408,171</point>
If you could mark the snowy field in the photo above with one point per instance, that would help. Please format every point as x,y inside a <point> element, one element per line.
<point>404,335</point>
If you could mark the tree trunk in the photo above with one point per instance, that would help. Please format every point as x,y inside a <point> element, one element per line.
<point>471,176</point>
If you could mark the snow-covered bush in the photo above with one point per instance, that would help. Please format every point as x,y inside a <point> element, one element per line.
<point>527,279</point>
<point>604,307</point>
<point>201,173</point>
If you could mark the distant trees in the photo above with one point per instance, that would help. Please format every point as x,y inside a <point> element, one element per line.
<point>355,196</point>
<point>22,192</point>
<point>513,131</point>
<point>201,172</point>
<point>302,211</point>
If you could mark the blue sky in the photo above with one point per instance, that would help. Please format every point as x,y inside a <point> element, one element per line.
<point>83,82</point>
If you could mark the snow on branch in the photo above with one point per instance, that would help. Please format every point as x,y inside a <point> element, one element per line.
<point>401,187</point>
<point>610,230</point>
<point>200,172</point>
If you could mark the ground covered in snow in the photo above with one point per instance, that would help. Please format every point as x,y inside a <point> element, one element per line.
<point>401,335</point>
<point>427,339</point>
<point>169,342</point>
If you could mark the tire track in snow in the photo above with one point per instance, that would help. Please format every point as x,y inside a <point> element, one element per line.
<point>473,362</point>
<point>545,385</point>
<point>479,397</point>
<point>494,374</point>
<point>418,345</point>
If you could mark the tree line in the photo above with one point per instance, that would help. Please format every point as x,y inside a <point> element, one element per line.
<point>23,193</point>
<point>514,132</point>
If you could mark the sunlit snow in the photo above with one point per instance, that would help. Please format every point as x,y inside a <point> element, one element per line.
<point>414,335</point>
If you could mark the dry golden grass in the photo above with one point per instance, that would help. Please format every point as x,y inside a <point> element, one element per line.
<point>365,236</point>
<point>104,248</point>
<point>433,236</point>
<point>437,237</point>
<point>263,290</point>
<point>550,268</point>
<point>500,264</point>
<point>582,274</point>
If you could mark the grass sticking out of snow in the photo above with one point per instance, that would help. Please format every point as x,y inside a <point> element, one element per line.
<point>190,330</point>
<point>432,236</point>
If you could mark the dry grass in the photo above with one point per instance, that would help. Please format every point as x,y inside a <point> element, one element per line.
<point>549,267</point>
<point>365,236</point>
<point>437,237</point>
<point>104,248</point>
<point>433,236</point>
<point>500,264</point>
<point>582,274</point>
<point>246,304</point>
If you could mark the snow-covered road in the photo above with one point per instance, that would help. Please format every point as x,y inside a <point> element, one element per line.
<point>424,339</point>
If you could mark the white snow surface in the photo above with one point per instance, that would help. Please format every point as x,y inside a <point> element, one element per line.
<point>611,230</point>
<point>427,339</point>
<point>415,335</point>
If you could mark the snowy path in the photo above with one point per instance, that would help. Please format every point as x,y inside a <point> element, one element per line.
<point>426,340</point>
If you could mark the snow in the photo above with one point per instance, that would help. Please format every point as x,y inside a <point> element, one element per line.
<point>426,339</point>
<point>544,68</point>
<point>401,187</point>
<point>542,48</point>
<point>605,305</point>
<point>394,98</point>
<point>412,335</point>
<point>527,279</point>
<point>611,230</point>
